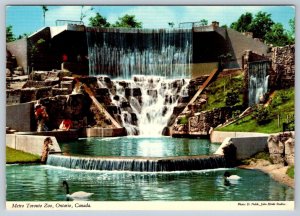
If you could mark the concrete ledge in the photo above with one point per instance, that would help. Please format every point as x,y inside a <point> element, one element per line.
<point>105,132</point>
<point>220,136</point>
<point>30,143</point>
<point>245,146</point>
<point>60,136</point>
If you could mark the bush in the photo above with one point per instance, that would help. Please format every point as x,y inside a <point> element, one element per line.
<point>232,98</point>
<point>291,171</point>
<point>264,156</point>
<point>183,120</point>
<point>262,115</point>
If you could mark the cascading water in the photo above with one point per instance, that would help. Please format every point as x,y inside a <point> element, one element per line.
<point>258,81</point>
<point>121,53</point>
<point>152,58</point>
<point>146,102</point>
<point>138,164</point>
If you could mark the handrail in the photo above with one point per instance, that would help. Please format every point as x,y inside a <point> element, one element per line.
<point>99,106</point>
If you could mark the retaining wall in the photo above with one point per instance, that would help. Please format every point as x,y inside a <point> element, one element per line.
<point>220,136</point>
<point>29,143</point>
<point>20,116</point>
<point>245,146</point>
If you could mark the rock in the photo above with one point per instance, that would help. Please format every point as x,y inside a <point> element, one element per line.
<point>281,148</point>
<point>8,72</point>
<point>275,145</point>
<point>102,92</point>
<point>289,147</point>
<point>135,92</point>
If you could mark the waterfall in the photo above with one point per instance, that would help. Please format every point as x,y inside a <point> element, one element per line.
<point>138,164</point>
<point>146,103</point>
<point>258,81</point>
<point>125,52</point>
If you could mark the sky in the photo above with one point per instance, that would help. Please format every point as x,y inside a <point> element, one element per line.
<point>29,19</point>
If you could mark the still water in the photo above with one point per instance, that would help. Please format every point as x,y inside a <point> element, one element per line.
<point>44,183</point>
<point>139,146</point>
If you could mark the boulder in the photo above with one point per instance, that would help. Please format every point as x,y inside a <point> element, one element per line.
<point>8,72</point>
<point>289,148</point>
<point>276,149</point>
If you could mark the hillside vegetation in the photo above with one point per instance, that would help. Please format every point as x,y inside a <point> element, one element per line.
<point>268,119</point>
<point>225,91</point>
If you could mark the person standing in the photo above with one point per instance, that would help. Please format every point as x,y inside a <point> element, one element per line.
<point>41,116</point>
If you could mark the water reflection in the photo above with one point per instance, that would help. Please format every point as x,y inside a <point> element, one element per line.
<point>140,146</point>
<point>42,183</point>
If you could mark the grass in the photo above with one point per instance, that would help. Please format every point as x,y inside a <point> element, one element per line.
<point>282,105</point>
<point>291,171</point>
<point>15,156</point>
<point>260,155</point>
<point>217,91</point>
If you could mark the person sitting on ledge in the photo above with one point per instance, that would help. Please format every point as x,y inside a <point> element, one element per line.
<point>66,124</point>
<point>48,146</point>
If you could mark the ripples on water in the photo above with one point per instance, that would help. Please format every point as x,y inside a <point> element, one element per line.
<point>44,183</point>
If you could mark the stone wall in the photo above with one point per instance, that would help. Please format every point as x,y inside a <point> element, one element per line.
<point>283,65</point>
<point>75,107</point>
<point>282,148</point>
<point>27,95</point>
<point>202,122</point>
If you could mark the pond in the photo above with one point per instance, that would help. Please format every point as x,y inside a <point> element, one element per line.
<point>139,146</point>
<point>44,183</point>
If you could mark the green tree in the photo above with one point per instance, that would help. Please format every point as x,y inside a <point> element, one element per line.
<point>261,25</point>
<point>83,12</point>
<point>224,26</point>
<point>243,23</point>
<point>45,9</point>
<point>277,35</point>
<point>24,35</point>
<point>98,21</point>
<point>203,22</point>
<point>291,34</point>
<point>9,34</point>
<point>127,21</point>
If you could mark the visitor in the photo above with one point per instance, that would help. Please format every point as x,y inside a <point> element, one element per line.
<point>64,57</point>
<point>41,116</point>
<point>66,125</point>
<point>48,146</point>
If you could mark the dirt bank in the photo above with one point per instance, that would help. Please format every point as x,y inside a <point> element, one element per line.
<point>276,171</point>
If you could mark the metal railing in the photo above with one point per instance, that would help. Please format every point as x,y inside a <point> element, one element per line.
<point>191,25</point>
<point>65,22</point>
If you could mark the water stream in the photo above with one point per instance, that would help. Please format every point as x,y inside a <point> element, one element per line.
<point>145,103</point>
<point>258,81</point>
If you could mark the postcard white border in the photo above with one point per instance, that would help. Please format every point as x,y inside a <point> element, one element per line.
<point>165,208</point>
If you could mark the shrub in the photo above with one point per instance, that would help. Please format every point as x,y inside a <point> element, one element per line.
<point>263,155</point>
<point>183,120</point>
<point>232,98</point>
<point>291,171</point>
<point>262,115</point>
